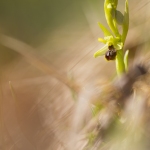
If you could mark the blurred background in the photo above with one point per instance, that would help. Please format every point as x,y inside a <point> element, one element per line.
<point>46,55</point>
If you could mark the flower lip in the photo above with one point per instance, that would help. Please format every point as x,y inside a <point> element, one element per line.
<point>111,53</point>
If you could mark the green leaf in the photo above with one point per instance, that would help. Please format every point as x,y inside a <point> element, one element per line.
<point>126,60</point>
<point>101,52</point>
<point>104,29</point>
<point>125,22</point>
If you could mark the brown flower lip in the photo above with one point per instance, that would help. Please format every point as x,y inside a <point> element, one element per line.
<point>111,53</point>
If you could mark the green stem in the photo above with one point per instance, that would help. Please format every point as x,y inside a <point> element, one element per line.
<point>120,67</point>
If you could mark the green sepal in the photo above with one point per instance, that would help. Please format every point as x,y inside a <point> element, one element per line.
<point>101,52</point>
<point>110,9</point>
<point>125,22</point>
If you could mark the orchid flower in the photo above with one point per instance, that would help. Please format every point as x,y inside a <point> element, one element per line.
<point>113,37</point>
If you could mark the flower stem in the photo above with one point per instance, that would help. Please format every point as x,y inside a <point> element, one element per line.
<point>120,67</point>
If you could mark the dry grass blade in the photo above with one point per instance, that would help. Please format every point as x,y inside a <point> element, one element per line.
<point>29,53</point>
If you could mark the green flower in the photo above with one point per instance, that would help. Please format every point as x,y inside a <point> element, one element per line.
<point>114,38</point>
<point>108,40</point>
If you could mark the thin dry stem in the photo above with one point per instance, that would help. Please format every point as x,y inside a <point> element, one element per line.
<point>29,53</point>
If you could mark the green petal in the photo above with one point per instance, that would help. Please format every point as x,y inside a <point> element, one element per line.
<point>105,30</point>
<point>102,51</point>
<point>125,22</point>
<point>119,17</point>
<point>102,40</point>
